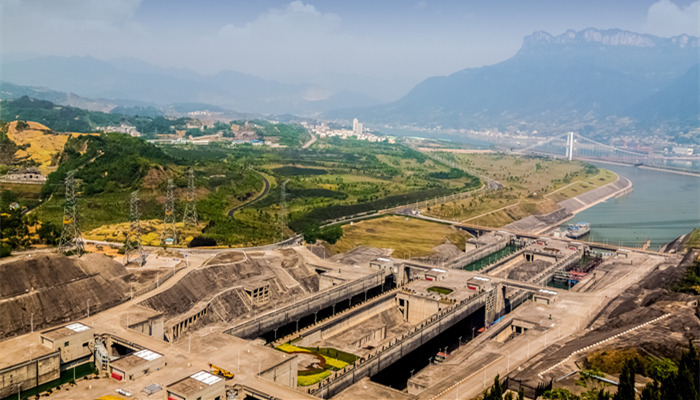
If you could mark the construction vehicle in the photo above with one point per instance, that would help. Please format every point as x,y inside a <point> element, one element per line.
<point>220,371</point>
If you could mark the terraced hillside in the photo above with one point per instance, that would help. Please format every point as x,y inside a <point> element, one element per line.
<point>48,290</point>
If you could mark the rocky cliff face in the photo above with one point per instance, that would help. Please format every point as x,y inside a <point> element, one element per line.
<point>609,37</point>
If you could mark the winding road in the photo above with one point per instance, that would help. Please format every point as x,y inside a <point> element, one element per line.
<point>258,197</point>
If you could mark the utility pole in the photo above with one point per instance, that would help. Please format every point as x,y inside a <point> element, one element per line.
<point>71,239</point>
<point>169,234</point>
<point>133,252</point>
<point>190,216</point>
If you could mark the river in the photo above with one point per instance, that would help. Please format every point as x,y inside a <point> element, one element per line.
<point>662,207</point>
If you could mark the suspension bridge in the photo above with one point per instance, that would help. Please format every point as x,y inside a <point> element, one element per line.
<point>575,146</point>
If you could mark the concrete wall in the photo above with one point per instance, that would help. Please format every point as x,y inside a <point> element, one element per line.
<point>397,349</point>
<point>30,373</point>
<point>417,308</point>
<point>284,374</point>
<point>153,327</point>
<point>72,347</point>
<point>274,319</point>
<point>346,321</point>
<point>136,371</point>
<point>326,281</point>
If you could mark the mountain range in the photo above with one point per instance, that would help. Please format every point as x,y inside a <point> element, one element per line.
<point>592,79</point>
<point>134,82</point>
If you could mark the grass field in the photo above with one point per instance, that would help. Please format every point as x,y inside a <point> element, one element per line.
<point>531,186</point>
<point>150,232</point>
<point>404,235</point>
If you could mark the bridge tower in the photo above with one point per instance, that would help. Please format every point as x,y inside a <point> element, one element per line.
<point>190,216</point>
<point>133,251</point>
<point>169,233</point>
<point>570,146</point>
<point>71,239</point>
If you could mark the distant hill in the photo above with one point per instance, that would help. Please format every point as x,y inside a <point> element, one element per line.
<point>10,91</point>
<point>590,78</point>
<point>73,119</point>
<point>30,144</point>
<point>145,83</point>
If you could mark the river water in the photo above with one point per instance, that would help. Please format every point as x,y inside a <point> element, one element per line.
<point>662,207</point>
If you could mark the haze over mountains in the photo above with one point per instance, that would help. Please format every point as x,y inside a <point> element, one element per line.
<point>591,79</point>
<point>145,84</point>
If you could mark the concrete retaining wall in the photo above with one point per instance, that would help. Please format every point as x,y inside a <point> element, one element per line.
<point>276,318</point>
<point>399,348</point>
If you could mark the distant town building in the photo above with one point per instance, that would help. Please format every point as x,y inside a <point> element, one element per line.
<point>357,127</point>
<point>123,128</point>
<point>26,176</point>
<point>683,151</point>
<point>358,132</point>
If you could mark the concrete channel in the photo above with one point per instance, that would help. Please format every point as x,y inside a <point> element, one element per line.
<point>274,319</point>
<point>400,347</point>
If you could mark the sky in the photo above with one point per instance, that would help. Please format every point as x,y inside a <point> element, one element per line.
<point>379,46</point>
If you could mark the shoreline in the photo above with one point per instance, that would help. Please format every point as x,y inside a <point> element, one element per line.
<point>649,167</point>
<point>537,224</point>
<point>587,206</point>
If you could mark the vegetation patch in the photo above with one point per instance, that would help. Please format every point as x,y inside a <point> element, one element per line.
<point>333,360</point>
<point>291,170</point>
<point>693,241</point>
<point>306,380</point>
<point>531,185</point>
<point>407,236</point>
<point>440,290</point>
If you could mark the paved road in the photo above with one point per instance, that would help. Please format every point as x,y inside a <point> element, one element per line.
<point>310,142</point>
<point>258,197</point>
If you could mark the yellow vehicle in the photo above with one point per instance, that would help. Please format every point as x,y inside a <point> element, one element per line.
<point>220,371</point>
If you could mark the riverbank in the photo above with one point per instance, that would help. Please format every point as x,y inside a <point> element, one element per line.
<point>569,208</point>
<point>643,166</point>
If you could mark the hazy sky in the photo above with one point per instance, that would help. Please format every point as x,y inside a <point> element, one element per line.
<point>395,43</point>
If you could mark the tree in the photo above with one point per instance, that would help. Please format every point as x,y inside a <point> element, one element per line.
<point>625,390</point>
<point>603,395</point>
<point>496,391</point>
<point>49,233</point>
<point>652,391</point>
<point>688,379</point>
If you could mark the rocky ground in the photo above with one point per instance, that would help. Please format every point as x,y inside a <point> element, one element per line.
<point>651,298</point>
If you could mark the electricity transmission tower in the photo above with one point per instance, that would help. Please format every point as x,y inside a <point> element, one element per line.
<point>71,239</point>
<point>190,216</point>
<point>282,216</point>
<point>169,234</point>
<point>133,252</point>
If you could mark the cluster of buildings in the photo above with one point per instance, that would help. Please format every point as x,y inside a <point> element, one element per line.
<point>358,131</point>
<point>122,128</point>
<point>63,349</point>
